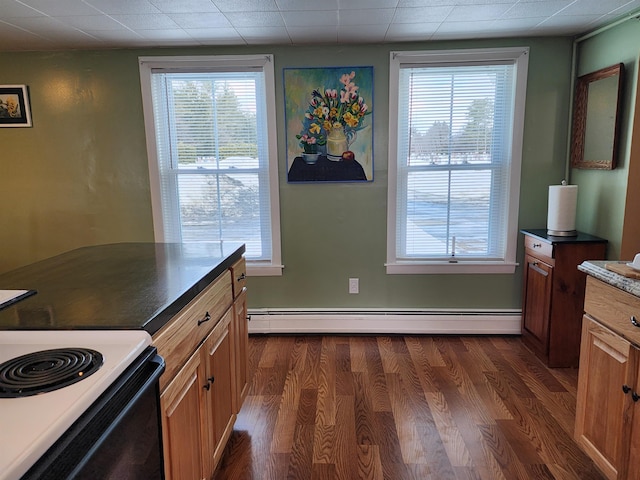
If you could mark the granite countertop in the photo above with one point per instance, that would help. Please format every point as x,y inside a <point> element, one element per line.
<point>116,286</point>
<point>597,269</point>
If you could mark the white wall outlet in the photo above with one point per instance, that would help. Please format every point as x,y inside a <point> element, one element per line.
<point>354,286</point>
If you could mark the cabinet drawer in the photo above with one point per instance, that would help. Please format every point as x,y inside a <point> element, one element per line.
<point>239,276</point>
<point>613,308</point>
<point>181,337</point>
<point>537,247</point>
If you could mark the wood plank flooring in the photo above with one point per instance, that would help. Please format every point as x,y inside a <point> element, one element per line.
<point>402,408</point>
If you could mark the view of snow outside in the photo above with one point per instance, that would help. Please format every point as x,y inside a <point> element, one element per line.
<point>450,167</point>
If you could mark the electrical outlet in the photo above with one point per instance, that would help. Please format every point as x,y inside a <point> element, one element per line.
<point>354,285</point>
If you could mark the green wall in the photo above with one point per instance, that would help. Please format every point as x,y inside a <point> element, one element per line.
<point>602,194</point>
<point>79,176</point>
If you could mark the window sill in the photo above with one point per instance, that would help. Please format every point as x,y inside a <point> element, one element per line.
<point>446,268</point>
<point>263,270</point>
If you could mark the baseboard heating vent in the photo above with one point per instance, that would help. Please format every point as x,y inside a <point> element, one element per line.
<point>410,321</point>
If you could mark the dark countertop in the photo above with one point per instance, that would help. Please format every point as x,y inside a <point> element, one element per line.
<point>541,234</point>
<point>116,286</point>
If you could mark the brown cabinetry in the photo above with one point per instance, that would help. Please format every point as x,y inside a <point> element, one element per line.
<point>607,410</point>
<point>553,294</point>
<point>203,348</point>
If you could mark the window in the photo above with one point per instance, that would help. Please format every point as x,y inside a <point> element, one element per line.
<point>455,142</point>
<point>211,140</point>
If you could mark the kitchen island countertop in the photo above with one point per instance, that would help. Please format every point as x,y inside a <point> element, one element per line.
<point>597,269</point>
<point>116,286</point>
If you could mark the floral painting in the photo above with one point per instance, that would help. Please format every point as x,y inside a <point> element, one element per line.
<point>329,121</point>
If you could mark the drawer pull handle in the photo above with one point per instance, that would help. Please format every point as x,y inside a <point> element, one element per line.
<point>626,389</point>
<point>210,380</point>
<point>206,318</point>
<point>635,397</point>
<point>634,322</point>
<point>537,245</point>
<point>241,277</point>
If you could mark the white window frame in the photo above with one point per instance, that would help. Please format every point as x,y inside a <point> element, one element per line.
<point>199,63</point>
<point>519,56</point>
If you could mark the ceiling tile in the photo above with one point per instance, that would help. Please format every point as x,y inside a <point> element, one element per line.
<point>185,6</point>
<point>476,13</point>
<point>155,21</point>
<point>91,22</point>
<point>61,7</point>
<point>376,16</point>
<point>301,19</point>
<point>366,4</point>
<point>200,20</point>
<point>422,15</point>
<point>122,7</point>
<point>313,34</point>
<point>246,5</point>
<point>285,5</point>
<point>255,19</point>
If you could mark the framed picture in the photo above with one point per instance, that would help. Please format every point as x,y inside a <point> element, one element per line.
<point>14,106</point>
<point>329,124</point>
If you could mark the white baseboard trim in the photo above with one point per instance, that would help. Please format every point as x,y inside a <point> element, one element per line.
<point>467,322</point>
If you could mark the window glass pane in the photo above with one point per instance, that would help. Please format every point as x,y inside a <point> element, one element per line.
<point>453,160</point>
<point>212,155</point>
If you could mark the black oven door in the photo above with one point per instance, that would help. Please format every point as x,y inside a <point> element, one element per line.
<point>118,437</point>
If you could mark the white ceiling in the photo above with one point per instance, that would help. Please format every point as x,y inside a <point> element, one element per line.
<point>90,24</point>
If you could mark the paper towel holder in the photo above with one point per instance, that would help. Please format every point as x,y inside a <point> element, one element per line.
<point>561,213</point>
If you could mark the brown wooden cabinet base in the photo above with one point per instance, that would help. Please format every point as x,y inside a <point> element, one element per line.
<point>553,294</point>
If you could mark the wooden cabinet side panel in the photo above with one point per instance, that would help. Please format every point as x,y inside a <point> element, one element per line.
<point>604,363</point>
<point>181,416</point>
<point>240,333</point>
<point>568,293</point>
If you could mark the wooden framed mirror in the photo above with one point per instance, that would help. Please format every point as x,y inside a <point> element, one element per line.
<point>596,118</point>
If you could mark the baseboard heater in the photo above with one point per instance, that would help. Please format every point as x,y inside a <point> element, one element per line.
<point>463,322</point>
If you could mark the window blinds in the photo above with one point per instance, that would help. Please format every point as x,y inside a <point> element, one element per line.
<point>454,131</point>
<point>213,157</point>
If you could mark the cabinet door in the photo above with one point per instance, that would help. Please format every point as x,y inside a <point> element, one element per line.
<point>182,416</point>
<point>240,332</point>
<point>216,355</point>
<point>537,304</point>
<point>630,462</point>
<point>607,362</point>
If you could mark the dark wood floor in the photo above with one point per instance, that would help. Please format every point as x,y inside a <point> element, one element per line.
<point>404,407</point>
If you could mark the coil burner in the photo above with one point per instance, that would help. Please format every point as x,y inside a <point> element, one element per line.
<point>47,370</point>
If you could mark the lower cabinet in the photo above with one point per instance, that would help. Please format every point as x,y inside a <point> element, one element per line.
<point>608,408</point>
<point>197,413</point>
<point>607,363</point>
<point>182,414</point>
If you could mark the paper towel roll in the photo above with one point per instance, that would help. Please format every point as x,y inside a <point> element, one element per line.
<point>561,215</point>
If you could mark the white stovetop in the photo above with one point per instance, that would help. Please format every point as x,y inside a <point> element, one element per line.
<point>30,425</point>
<point>8,296</point>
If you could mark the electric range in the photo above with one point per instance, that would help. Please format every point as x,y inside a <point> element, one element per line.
<point>30,423</point>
